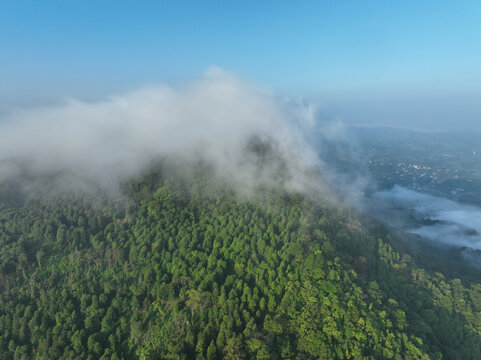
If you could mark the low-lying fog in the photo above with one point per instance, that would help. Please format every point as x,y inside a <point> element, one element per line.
<point>434,218</point>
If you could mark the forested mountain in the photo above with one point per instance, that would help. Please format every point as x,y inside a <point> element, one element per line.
<point>183,269</point>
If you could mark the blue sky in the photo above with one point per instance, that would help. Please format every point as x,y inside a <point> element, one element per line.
<point>386,62</point>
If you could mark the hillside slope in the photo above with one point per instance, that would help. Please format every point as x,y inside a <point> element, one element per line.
<point>177,270</point>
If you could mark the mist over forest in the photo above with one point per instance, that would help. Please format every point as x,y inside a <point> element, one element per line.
<point>240,180</point>
<point>247,136</point>
<point>220,220</point>
<point>214,119</point>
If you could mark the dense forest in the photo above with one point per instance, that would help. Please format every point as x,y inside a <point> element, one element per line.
<point>177,270</point>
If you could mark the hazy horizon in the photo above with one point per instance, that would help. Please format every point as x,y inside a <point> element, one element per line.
<point>406,65</point>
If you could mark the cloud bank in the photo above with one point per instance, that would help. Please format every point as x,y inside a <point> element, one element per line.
<point>213,119</point>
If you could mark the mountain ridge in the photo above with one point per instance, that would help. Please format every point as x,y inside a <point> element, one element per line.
<point>185,268</point>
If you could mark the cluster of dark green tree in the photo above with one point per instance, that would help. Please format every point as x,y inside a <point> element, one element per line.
<point>178,271</point>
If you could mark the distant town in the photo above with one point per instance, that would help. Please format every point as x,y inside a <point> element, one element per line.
<point>439,164</point>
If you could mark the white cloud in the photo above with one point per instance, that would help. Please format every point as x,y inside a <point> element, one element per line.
<point>211,118</point>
